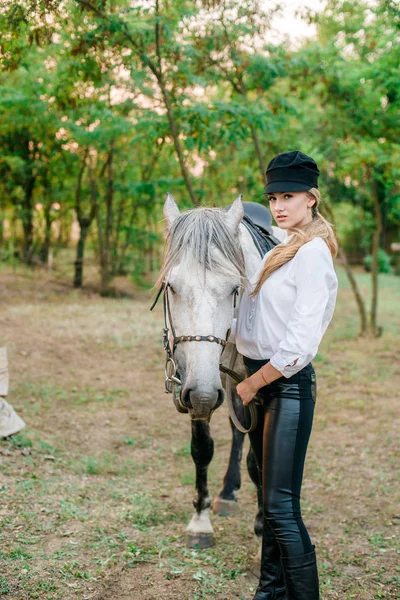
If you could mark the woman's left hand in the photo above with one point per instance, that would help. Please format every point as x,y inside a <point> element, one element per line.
<point>246,390</point>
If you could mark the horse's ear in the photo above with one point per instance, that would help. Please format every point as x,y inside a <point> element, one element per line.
<point>171,210</point>
<point>235,213</point>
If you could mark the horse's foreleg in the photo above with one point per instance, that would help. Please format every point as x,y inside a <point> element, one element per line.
<point>199,532</point>
<point>256,477</point>
<point>225,503</point>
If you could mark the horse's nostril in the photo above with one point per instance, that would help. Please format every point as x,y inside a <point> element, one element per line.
<point>221,396</point>
<point>186,398</point>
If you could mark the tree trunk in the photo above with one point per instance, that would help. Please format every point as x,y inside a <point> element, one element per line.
<point>2,219</point>
<point>349,272</point>
<point>116,264</point>
<point>356,291</point>
<point>27,221</point>
<point>84,221</point>
<point>47,234</point>
<point>105,236</point>
<point>158,72</point>
<point>80,252</point>
<point>177,144</point>
<point>373,327</point>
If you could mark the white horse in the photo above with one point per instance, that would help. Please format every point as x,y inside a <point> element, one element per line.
<point>209,255</point>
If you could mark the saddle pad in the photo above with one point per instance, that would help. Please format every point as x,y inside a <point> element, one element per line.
<point>263,240</point>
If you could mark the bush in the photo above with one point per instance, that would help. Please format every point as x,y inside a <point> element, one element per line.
<point>348,219</point>
<point>384,260</point>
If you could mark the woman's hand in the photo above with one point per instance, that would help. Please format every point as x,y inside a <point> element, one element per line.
<point>247,390</point>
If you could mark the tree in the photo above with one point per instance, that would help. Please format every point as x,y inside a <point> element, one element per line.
<point>354,71</point>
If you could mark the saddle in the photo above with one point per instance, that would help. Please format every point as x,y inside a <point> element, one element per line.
<point>258,221</point>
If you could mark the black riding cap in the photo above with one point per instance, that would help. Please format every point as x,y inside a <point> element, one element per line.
<point>291,172</point>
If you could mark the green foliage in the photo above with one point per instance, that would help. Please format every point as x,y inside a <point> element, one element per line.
<point>349,227</point>
<point>102,111</point>
<point>384,262</point>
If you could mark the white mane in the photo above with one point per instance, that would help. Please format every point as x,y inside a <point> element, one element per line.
<point>203,234</point>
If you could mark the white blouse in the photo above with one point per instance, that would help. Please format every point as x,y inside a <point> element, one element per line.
<point>286,320</point>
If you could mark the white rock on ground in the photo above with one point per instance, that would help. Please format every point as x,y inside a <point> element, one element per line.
<point>10,422</point>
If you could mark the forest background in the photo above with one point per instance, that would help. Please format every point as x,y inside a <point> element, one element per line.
<point>104,106</point>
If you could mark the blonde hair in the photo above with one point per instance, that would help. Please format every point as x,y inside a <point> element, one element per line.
<point>318,227</point>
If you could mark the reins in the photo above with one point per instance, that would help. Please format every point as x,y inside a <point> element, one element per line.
<point>231,374</point>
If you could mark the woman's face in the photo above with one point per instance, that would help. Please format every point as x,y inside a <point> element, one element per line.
<point>291,209</point>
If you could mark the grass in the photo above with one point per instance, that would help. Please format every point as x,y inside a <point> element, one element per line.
<point>96,492</point>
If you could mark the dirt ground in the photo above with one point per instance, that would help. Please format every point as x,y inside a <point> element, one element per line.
<point>96,492</point>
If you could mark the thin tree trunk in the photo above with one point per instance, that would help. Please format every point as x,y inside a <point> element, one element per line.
<point>349,272</point>
<point>177,144</point>
<point>105,236</point>
<point>373,327</point>
<point>27,221</point>
<point>80,252</point>
<point>84,221</point>
<point>2,219</point>
<point>158,72</point>
<point>356,290</point>
<point>47,233</point>
<point>116,265</point>
<point>127,237</point>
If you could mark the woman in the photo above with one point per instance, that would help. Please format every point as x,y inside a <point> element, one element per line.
<point>282,317</point>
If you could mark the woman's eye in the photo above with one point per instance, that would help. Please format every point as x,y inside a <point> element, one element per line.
<point>288,196</point>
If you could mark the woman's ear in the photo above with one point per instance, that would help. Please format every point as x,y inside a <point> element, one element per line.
<point>311,201</point>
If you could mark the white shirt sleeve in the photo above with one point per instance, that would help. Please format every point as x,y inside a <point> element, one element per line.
<point>316,284</point>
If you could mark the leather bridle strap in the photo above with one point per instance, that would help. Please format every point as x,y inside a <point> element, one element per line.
<point>199,338</point>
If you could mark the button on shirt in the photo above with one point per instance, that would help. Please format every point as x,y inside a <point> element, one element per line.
<point>286,320</point>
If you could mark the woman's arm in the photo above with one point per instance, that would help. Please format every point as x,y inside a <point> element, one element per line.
<point>316,285</point>
<point>250,386</point>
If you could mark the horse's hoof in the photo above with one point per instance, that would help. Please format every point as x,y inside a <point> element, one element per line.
<point>224,508</point>
<point>199,541</point>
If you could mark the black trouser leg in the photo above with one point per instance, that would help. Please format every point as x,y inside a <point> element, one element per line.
<point>271,585</point>
<point>288,413</point>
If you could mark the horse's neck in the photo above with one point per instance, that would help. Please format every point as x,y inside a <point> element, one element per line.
<point>252,258</point>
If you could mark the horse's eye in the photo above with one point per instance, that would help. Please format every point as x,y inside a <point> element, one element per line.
<point>235,290</point>
<point>172,289</point>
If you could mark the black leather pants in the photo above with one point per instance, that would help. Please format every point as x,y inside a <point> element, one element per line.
<point>280,443</point>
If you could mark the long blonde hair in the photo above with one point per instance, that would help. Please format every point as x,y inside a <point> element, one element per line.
<point>318,227</point>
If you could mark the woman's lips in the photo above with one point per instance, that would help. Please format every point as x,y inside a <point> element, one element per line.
<point>281,218</point>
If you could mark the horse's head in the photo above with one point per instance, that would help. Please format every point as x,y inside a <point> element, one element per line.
<point>203,270</point>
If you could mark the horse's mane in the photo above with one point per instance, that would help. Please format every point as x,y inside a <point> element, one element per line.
<point>203,234</point>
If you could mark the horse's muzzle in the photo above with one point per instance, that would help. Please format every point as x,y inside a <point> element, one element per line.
<point>201,406</point>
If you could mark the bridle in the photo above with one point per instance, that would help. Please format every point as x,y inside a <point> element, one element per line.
<point>172,381</point>
<point>263,241</point>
